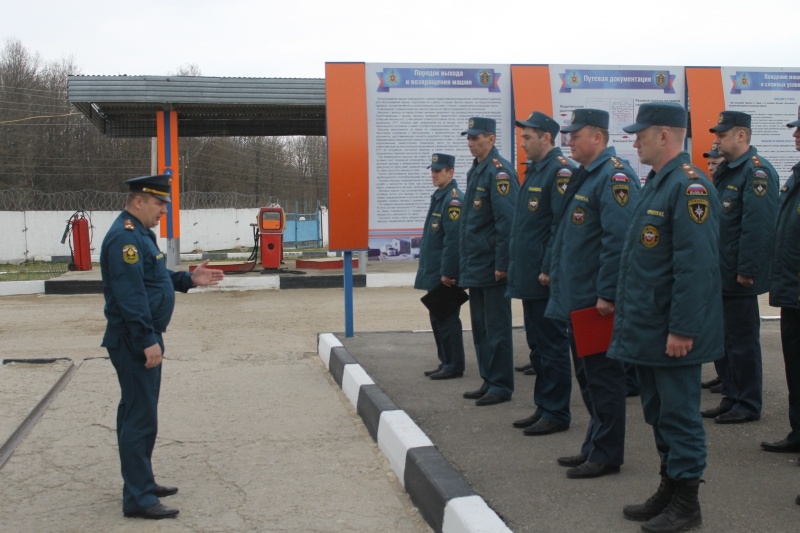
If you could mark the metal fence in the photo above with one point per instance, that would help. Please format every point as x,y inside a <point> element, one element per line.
<point>93,200</point>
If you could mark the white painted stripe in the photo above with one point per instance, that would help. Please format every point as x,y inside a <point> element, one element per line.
<point>397,434</point>
<point>354,376</point>
<point>243,283</point>
<point>470,514</point>
<point>402,279</point>
<point>326,342</point>
<point>10,288</point>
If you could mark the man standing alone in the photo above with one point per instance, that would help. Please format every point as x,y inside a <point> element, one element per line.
<point>140,296</point>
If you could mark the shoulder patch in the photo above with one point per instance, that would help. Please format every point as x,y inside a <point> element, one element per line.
<point>502,176</point>
<point>756,161</point>
<point>130,254</point>
<point>689,171</point>
<point>698,209</point>
<point>455,202</point>
<point>616,162</point>
<point>696,189</point>
<point>497,163</point>
<point>128,224</point>
<point>620,177</point>
<point>760,175</point>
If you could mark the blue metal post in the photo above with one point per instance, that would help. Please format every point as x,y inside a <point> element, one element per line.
<point>348,294</point>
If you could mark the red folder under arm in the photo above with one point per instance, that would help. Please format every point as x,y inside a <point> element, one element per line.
<point>592,331</point>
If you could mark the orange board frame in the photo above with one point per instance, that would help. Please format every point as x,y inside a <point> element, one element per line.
<point>348,156</point>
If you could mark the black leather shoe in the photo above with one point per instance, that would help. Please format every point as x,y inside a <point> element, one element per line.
<point>161,491</point>
<point>525,422</point>
<point>732,417</point>
<point>523,368</point>
<point>781,446</point>
<point>715,389</point>
<point>797,499</point>
<point>154,512</point>
<point>529,371</point>
<point>544,427</point>
<point>490,399</point>
<point>429,372</point>
<point>711,382</point>
<point>572,460</point>
<point>714,412</point>
<point>474,394</point>
<point>590,470</point>
<point>446,374</point>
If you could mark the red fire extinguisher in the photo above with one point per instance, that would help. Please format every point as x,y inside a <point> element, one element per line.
<point>79,241</point>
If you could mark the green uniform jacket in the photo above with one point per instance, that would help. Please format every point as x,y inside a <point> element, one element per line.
<point>783,283</point>
<point>668,276</point>
<point>492,187</point>
<point>748,190</point>
<point>588,241</point>
<point>539,201</point>
<point>139,290</point>
<point>438,252</point>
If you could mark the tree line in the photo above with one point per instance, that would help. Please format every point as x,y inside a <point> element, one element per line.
<point>48,146</point>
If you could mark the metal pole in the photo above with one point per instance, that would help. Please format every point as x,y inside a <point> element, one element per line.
<point>348,294</point>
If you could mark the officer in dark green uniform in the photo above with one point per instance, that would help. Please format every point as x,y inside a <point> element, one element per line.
<point>438,264</point>
<point>140,295</point>
<point>486,217</point>
<point>528,274</point>
<point>783,292</point>
<point>668,319</point>
<point>585,261</point>
<point>747,185</point>
<point>713,160</point>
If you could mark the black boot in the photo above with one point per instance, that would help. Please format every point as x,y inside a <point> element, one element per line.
<point>682,513</point>
<point>655,503</point>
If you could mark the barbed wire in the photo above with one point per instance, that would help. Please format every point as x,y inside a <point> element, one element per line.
<point>93,200</point>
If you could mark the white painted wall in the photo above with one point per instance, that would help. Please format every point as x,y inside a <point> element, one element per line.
<point>36,235</point>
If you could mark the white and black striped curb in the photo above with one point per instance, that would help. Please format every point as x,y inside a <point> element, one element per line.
<point>445,499</point>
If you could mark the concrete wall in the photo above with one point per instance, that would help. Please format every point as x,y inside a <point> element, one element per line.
<point>36,235</point>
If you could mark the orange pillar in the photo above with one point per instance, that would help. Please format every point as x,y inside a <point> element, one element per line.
<point>167,142</point>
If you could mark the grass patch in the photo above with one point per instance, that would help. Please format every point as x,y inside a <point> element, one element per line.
<point>31,271</point>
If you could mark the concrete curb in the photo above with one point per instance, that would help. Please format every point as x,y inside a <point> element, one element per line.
<point>25,427</point>
<point>445,499</point>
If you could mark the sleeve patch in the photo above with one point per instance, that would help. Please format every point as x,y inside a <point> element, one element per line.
<point>698,209</point>
<point>619,176</point>
<point>564,173</point>
<point>502,176</point>
<point>760,187</point>
<point>696,189</point>
<point>130,254</point>
<point>760,175</point>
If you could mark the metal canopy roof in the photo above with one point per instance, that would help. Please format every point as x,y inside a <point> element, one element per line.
<point>125,106</point>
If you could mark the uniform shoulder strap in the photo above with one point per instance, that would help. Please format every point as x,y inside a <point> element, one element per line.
<point>497,163</point>
<point>617,163</point>
<point>690,172</point>
<point>756,161</point>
